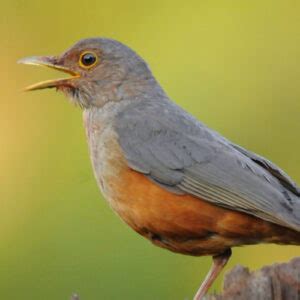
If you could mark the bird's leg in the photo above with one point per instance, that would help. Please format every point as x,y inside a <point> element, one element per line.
<point>219,262</point>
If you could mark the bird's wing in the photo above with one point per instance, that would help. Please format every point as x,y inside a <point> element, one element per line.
<point>179,153</point>
<point>271,168</point>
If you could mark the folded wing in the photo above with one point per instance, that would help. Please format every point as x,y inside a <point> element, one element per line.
<point>181,154</point>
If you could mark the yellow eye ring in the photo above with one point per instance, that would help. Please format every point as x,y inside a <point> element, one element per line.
<point>88,59</point>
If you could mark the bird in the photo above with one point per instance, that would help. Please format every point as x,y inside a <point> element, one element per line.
<point>172,179</point>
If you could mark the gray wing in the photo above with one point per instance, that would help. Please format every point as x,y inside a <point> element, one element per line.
<point>179,153</point>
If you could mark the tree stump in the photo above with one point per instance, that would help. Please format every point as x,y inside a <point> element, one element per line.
<point>275,282</point>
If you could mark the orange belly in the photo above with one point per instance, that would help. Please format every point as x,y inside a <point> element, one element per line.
<point>183,223</point>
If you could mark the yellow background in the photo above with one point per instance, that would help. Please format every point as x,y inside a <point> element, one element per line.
<point>233,64</point>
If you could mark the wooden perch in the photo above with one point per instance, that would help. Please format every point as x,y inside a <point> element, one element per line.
<point>275,282</point>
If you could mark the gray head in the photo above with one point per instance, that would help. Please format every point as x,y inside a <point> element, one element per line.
<point>102,70</point>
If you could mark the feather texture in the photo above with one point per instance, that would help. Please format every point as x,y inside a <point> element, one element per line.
<point>180,153</point>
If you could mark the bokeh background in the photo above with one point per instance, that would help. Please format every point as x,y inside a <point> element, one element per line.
<point>233,64</point>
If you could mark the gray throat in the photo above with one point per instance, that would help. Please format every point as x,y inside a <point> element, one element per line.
<point>99,93</point>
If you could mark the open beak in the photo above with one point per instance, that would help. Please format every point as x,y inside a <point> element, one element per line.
<point>50,62</point>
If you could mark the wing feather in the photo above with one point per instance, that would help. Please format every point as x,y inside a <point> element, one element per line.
<point>181,154</point>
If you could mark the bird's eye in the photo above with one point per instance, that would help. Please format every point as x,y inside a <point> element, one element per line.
<point>88,59</point>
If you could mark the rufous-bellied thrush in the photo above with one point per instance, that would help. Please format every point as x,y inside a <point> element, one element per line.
<point>168,176</point>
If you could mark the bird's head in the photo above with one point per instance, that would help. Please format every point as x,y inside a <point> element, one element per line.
<point>101,70</point>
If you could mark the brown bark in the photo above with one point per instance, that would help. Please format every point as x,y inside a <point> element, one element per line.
<point>275,282</point>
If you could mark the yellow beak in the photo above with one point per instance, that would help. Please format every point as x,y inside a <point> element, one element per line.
<point>50,62</point>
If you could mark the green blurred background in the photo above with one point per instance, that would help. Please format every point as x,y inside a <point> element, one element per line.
<point>233,64</point>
